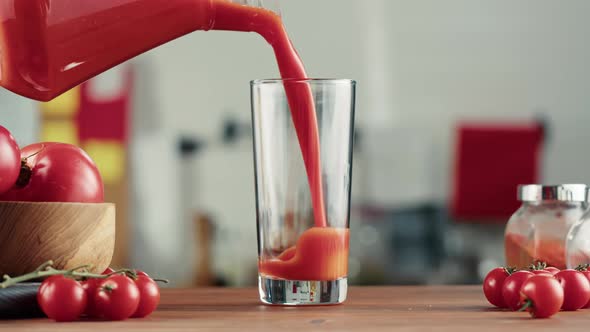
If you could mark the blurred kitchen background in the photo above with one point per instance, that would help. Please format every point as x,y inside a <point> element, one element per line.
<point>458,101</point>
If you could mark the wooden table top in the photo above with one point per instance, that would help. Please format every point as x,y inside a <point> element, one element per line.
<point>461,308</point>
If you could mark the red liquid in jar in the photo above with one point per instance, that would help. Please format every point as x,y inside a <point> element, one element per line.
<point>522,252</point>
<point>50,46</point>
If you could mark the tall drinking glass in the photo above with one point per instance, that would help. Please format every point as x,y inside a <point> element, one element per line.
<point>303,260</point>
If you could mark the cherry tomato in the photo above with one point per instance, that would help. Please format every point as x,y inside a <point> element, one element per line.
<point>108,270</point>
<point>9,160</point>
<point>492,286</point>
<point>542,272</point>
<point>542,296</point>
<point>511,288</point>
<point>116,298</point>
<point>90,287</point>
<point>149,296</point>
<point>552,270</point>
<point>57,172</point>
<point>61,298</point>
<point>141,273</point>
<point>586,273</point>
<point>576,289</point>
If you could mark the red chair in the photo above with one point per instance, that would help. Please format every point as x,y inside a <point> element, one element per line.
<point>491,160</point>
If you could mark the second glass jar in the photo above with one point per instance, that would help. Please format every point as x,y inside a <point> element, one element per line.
<point>538,230</point>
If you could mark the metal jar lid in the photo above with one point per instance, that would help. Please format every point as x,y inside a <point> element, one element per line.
<point>560,192</point>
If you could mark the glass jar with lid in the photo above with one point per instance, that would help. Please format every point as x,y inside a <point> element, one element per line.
<point>578,243</point>
<point>538,230</point>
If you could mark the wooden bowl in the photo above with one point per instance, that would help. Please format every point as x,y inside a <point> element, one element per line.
<point>70,234</point>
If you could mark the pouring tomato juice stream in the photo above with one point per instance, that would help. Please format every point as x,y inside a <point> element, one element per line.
<point>50,46</point>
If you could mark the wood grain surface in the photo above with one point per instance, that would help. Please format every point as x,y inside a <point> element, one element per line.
<point>70,234</point>
<point>461,308</point>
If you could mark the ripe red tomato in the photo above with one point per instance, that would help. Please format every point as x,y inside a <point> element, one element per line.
<point>149,296</point>
<point>542,296</point>
<point>61,298</point>
<point>9,160</point>
<point>108,270</point>
<point>586,273</point>
<point>576,289</point>
<point>542,272</point>
<point>552,270</point>
<point>57,173</point>
<point>511,288</point>
<point>141,273</point>
<point>492,286</point>
<point>116,298</point>
<point>90,287</point>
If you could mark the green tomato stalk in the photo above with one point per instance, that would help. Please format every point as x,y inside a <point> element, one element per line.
<point>81,272</point>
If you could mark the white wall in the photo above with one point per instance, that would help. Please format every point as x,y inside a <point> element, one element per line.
<point>205,74</point>
<point>20,117</point>
<point>428,64</point>
<point>494,59</point>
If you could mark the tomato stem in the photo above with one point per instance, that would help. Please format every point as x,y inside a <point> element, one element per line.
<point>44,266</point>
<point>121,271</point>
<point>46,270</point>
<point>527,304</point>
<point>165,281</point>
<point>107,288</point>
<point>26,172</point>
<point>24,177</point>
<point>538,266</point>
<point>34,154</point>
